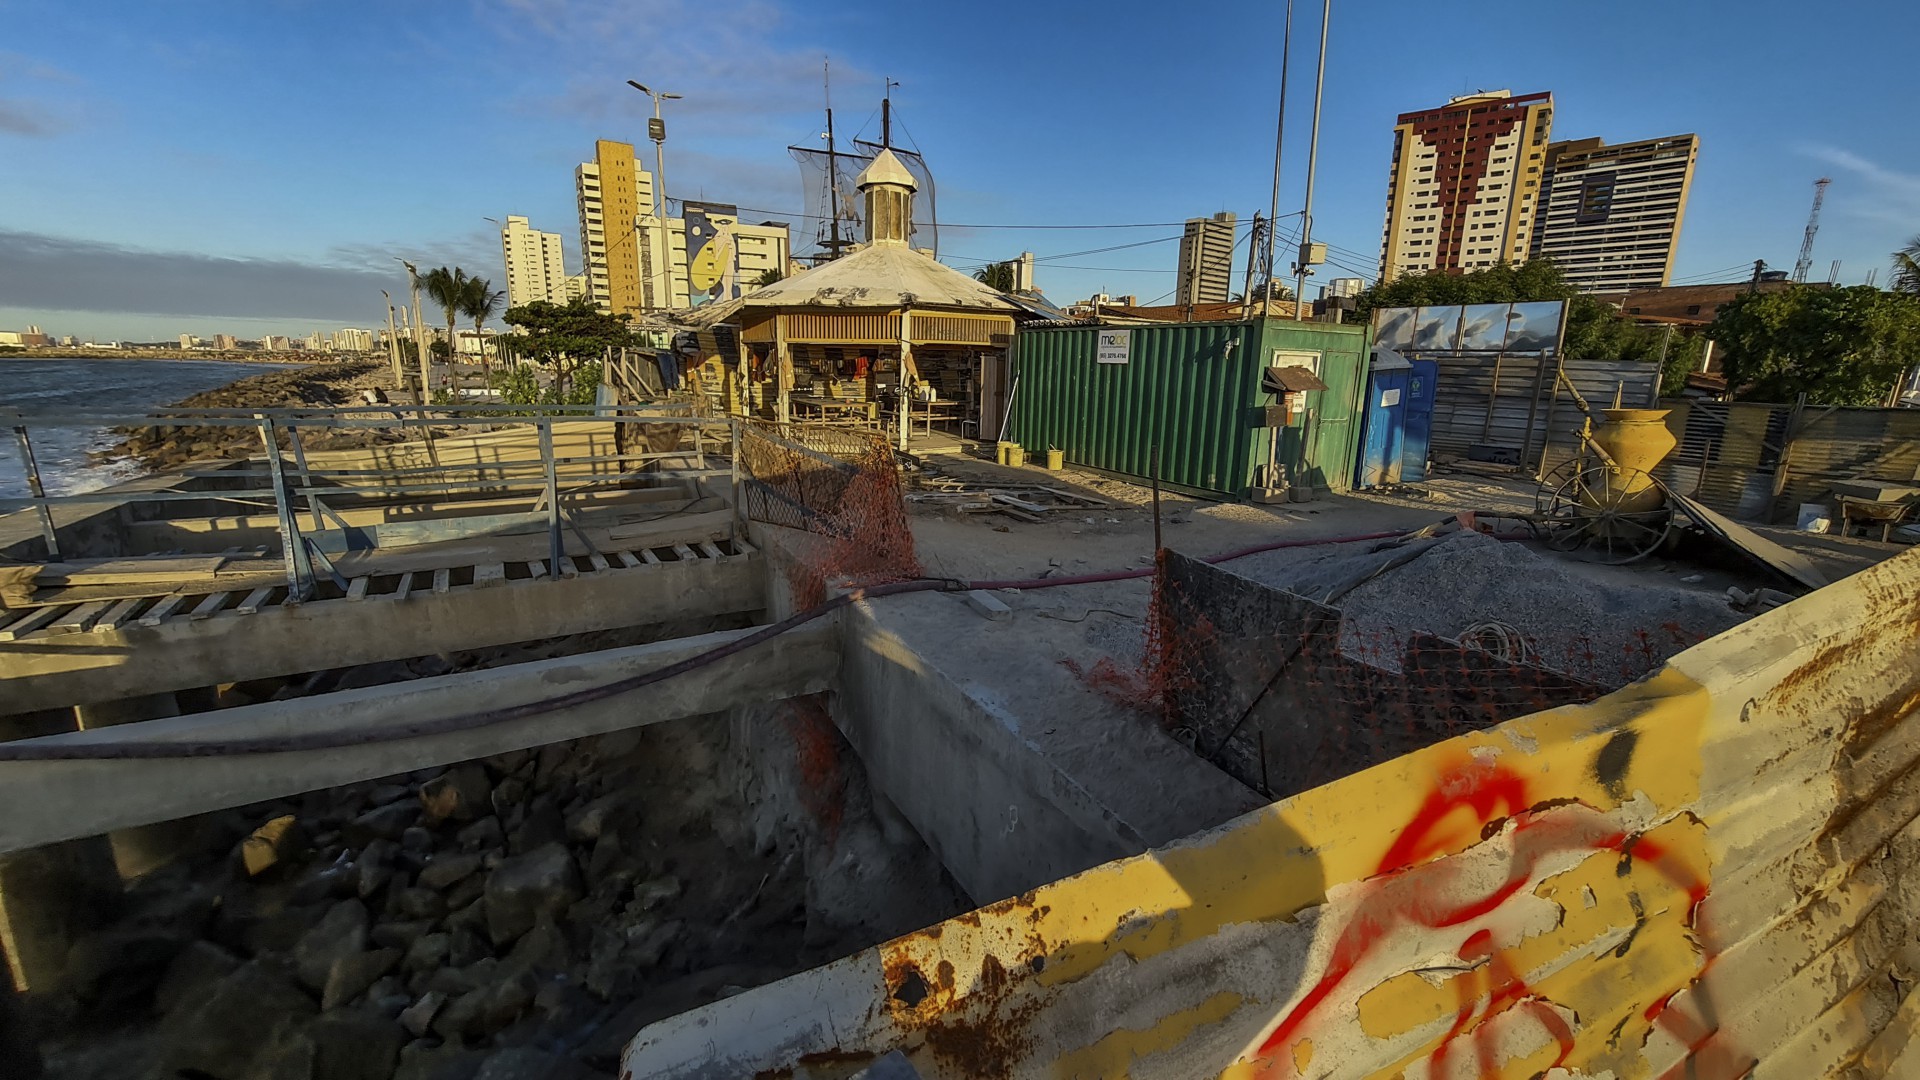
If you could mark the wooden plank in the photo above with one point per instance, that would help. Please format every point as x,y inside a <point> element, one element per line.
<point>406,586</point>
<point>118,615</point>
<point>357,590</point>
<point>1021,504</point>
<point>79,619</point>
<point>536,568</point>
<point>598,561</point>
<point>442,579</point>
<point>159,612</point>
<point>628,560</point>
<point>125,571</point>
<point>647,556</point>
<point>255,600</point>
<point>686,553</point>
<point>19,628</point>
<point>708,549</point>
<point>210,606</point>
<point>487,575</point>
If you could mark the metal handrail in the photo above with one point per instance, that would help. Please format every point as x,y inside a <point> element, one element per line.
<point>284,489</point>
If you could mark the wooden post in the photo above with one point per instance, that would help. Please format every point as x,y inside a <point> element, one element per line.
<point>306,476</point>
<point>782,374</point>
<point>555,552</point>
<point>909,374</point>
<point>39,493</point>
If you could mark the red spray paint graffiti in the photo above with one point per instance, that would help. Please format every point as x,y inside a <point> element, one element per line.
<point>1415,888</point>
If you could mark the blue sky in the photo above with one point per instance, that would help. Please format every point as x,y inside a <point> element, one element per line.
<point>255,167</point>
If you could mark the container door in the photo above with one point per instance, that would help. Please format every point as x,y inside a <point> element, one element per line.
<point>1417,424</point>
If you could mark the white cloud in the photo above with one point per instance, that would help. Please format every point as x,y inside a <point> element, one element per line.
<point>1869,189</point>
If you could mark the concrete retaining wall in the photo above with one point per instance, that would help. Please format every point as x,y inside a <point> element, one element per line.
<point>1706,870</point>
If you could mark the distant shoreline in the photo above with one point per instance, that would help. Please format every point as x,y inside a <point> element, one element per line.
<point>235,356</point>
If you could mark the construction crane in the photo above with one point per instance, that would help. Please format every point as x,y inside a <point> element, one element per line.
<point>1805,261</point>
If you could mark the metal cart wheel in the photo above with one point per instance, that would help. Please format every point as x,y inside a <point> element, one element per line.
<point>1604,510</point>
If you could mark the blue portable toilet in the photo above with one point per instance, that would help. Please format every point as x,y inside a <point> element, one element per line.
<point>1417,422</point>
<point>1398,420</point>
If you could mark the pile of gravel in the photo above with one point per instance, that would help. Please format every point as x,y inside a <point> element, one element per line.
<point>1605,633</point>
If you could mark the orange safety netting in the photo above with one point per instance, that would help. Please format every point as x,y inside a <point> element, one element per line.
<point>840,485</point>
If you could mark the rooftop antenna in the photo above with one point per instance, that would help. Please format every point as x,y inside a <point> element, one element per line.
<point>886,116</point>
<point>1805,261</point>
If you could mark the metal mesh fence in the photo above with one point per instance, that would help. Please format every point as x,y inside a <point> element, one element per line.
<point>841,486</point>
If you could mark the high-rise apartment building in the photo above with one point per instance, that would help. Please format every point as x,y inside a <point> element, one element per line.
<point>1206,260</point>
<point>535,270</point>
<point>1465,183</point>
<point>613,192</point>
<point>1609,216</point>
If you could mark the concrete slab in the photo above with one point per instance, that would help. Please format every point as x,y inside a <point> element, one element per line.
<point>46,801</point>
<point>178,652</point>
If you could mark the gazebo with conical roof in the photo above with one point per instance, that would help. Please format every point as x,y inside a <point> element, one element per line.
<point>852,332</point>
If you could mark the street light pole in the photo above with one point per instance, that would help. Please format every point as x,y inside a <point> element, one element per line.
<point>393,343</point>
<point>657,131</point>
<point>1279,141</point>
<point>1313,155</point>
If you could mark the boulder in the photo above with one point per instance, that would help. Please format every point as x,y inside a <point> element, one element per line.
<point>482,834</point>
<point>382,794</point>
<point>350,975</point>
<point>543,948</point>
<point>656,892</point>
<point>420,1061</point>
<point>400,935</point>
<point>195,971</point>
<point>526,1063</point>
<point>447,868</point>
<point>542,825</point>
<point>387,822</point>
<point>341,932</point>
<point>120,964</point>
<point>417,839</point>
<point>585,825</point>
<point>462,793</point>
<point>428,952</point>
<point>221,1032</point>
<point>354,1044</point>
<point>523,887</point>
<point>417,1018</point>
<point>416,903</point>
<point>272,844</point>
<point>468,945</point>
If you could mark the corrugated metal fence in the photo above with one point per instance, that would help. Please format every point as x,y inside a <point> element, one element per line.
<point>1524,404</point>
<point>1760,461</point>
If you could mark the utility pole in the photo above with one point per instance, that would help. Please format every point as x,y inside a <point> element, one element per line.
<point>1253,259</point>
<point>657,131</point>
<point>1313,155</point>
<point>1279,140</point>
<point>393,344</point>
<point>1758,266</point>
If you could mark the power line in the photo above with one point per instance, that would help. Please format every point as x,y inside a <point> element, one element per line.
<point>957,225</point>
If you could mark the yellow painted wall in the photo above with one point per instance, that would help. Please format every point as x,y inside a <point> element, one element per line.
<point>1701,872</point>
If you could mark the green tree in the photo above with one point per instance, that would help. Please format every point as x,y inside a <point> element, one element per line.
<point>1906,268</point>
<point>447,288</point>
<point>1837,346</point>
<point>567,339</point>
<point>480,301</point>
<point>996,276</point>
<point>767,277</point>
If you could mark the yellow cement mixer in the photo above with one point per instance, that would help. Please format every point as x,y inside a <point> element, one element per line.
<point>1605,498</point>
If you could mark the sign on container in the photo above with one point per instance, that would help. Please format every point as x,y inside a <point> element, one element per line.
<point>1113,346</point>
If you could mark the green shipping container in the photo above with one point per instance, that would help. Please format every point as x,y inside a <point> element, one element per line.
<point>1107,395</point>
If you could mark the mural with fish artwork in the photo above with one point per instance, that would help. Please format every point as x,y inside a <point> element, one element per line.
<point>1700,875</point>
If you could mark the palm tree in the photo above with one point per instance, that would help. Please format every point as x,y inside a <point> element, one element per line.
<point>996,276</point>
<point>480,301</point>
<point>1906,268</point>
<point>447,288</point>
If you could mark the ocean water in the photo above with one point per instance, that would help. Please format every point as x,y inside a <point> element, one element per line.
<point>134,386</point>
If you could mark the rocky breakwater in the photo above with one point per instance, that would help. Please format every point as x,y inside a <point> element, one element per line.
<point>517,916</point>
<point>320,386</point>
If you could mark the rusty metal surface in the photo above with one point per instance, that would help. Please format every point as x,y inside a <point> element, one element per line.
<point>1697,875</point>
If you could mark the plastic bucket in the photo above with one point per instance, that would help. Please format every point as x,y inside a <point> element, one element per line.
<point>1008,453</point>
<point>1056,460</point>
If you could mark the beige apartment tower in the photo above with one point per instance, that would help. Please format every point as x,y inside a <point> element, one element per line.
<point>1206,260</point>
<point>1466,183</point>
<point>1610,215</point>
<point>534,267</point>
